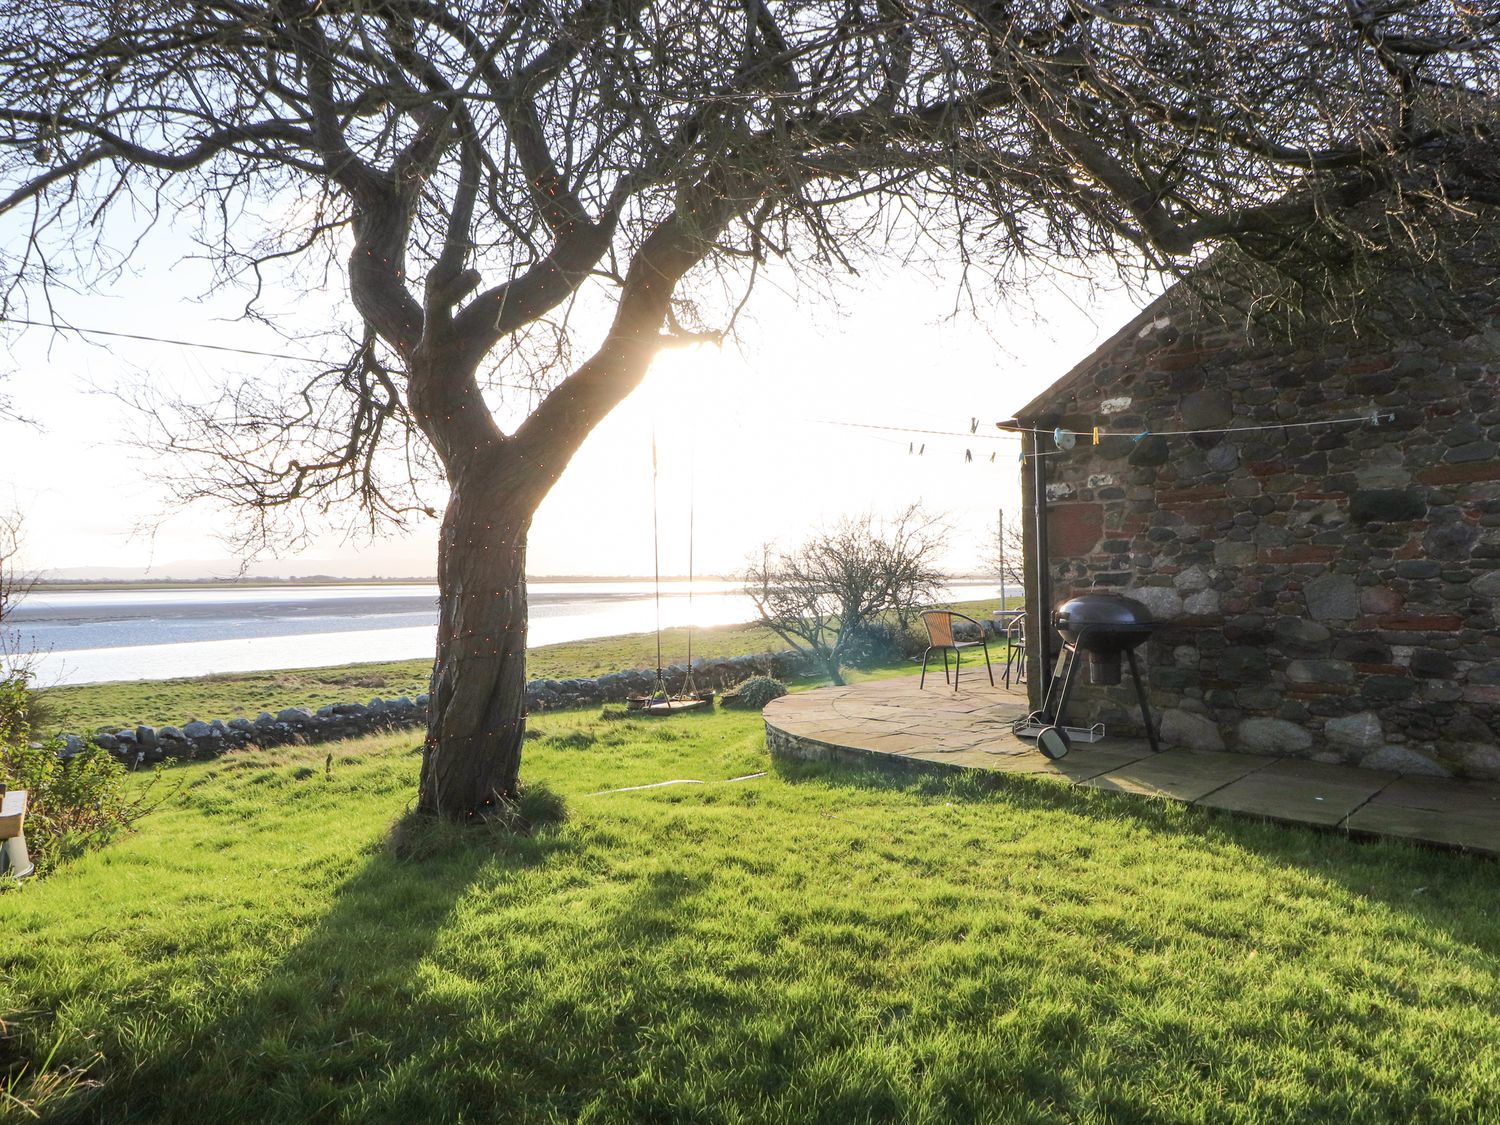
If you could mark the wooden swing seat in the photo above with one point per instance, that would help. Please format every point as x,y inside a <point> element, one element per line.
<point>672,706</point>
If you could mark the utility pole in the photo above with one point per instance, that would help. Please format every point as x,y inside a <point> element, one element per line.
<point>1004,562</point>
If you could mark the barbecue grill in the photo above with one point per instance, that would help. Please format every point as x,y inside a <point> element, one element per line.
<point>1104,627</point>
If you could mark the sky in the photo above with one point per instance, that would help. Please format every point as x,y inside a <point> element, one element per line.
<point>757,441</point>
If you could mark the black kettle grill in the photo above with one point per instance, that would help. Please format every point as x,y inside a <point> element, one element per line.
<point>1105,627</point>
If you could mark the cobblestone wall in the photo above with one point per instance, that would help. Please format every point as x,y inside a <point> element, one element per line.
<point>1328,591</point>
<point>198,739</point>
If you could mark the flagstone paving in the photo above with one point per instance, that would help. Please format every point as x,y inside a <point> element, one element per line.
<point>894,723</point>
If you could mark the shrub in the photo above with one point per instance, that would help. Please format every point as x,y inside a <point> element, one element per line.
<point>873,644</point>
<point>754,693</point>
<point>74,804</point>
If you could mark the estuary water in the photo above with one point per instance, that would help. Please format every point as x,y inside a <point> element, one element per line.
<point>93,636</point>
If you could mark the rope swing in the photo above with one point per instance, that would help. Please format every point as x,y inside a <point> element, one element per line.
<point>660,701</point>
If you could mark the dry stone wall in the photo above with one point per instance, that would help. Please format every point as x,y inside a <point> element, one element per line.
<point>1328,591</point>
<point>147,744</point>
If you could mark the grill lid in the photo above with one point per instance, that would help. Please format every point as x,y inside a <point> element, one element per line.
<point>1114,622</point>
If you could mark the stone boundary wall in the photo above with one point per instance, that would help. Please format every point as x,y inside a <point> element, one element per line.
<point>1330,592</point>
<point>197,739</point>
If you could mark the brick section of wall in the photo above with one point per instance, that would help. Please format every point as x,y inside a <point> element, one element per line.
<point>1329,591</point>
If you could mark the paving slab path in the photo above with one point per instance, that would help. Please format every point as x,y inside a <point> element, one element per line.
<point>895,724</point>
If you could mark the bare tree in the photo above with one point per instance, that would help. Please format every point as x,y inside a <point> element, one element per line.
<point>820,595</point>
<point>525,202</point>
<point>17,661</point>
<point>1005,553</point>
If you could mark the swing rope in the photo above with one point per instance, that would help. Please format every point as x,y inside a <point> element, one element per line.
<point>688,686</point>
<point>661,685</point>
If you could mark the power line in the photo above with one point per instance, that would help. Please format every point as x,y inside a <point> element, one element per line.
<point>904,429</point>
<point>159,340</point>
<point>1005,429</point>
<point>200,344</point>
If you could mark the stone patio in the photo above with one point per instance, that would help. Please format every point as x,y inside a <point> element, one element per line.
<point>894,724</point>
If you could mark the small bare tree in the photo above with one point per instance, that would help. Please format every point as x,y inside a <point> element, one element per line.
<point>16,661</point>
<point>819,596</point>
<point>1005,554</point>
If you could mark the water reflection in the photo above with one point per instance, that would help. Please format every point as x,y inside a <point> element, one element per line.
<point>92,636</point>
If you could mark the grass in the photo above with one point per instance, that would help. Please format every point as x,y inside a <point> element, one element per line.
<point>817,945</point>
<point>85,708</point>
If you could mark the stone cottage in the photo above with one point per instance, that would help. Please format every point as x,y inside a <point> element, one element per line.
<point>1328,590</point>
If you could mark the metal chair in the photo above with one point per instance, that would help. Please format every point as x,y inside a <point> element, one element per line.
<point>1015,640</point>
<point>940,634</point>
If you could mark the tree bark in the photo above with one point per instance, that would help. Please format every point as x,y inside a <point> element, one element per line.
<point>832,662</point>
<point>477,718</point>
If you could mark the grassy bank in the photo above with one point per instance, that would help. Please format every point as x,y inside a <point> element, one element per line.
<point>816,945</point>
<point>87,707</point>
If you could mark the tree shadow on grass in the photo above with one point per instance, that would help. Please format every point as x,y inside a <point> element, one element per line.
<point>384,1008</point>
<point>343,1004</point>
<point>1199,937</point>
<point>1429,884</point>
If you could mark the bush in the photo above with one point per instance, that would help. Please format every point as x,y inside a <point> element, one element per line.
<point>754,693</point>
<point>73,805</point>
<point>875,644</point>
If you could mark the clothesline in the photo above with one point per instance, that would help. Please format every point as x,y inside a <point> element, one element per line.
<point>1066,439</point>
<point>1374,418</point>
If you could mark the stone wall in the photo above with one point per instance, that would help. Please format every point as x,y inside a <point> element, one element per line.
<point>197,739</point>
<point>1327,591</point>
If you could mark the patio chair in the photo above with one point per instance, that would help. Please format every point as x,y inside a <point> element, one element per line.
<point>940,634</point>
<point>1015,639</point>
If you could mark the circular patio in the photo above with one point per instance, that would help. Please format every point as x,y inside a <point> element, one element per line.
<point>895,723</point>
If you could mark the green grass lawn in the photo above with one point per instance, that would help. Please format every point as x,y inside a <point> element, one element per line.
<point>84,708</point>
<point>817,945</point>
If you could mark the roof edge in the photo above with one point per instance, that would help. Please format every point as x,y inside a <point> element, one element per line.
<point>1129,329</point>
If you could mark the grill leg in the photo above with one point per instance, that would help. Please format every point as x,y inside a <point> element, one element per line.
<point>1140,692</point>
<point>1068,661</point>
<point>1067,686</point>
<point>1054,684</point>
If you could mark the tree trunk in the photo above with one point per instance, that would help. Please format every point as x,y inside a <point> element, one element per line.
<point>477,715</point>
<point>831,662</point>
